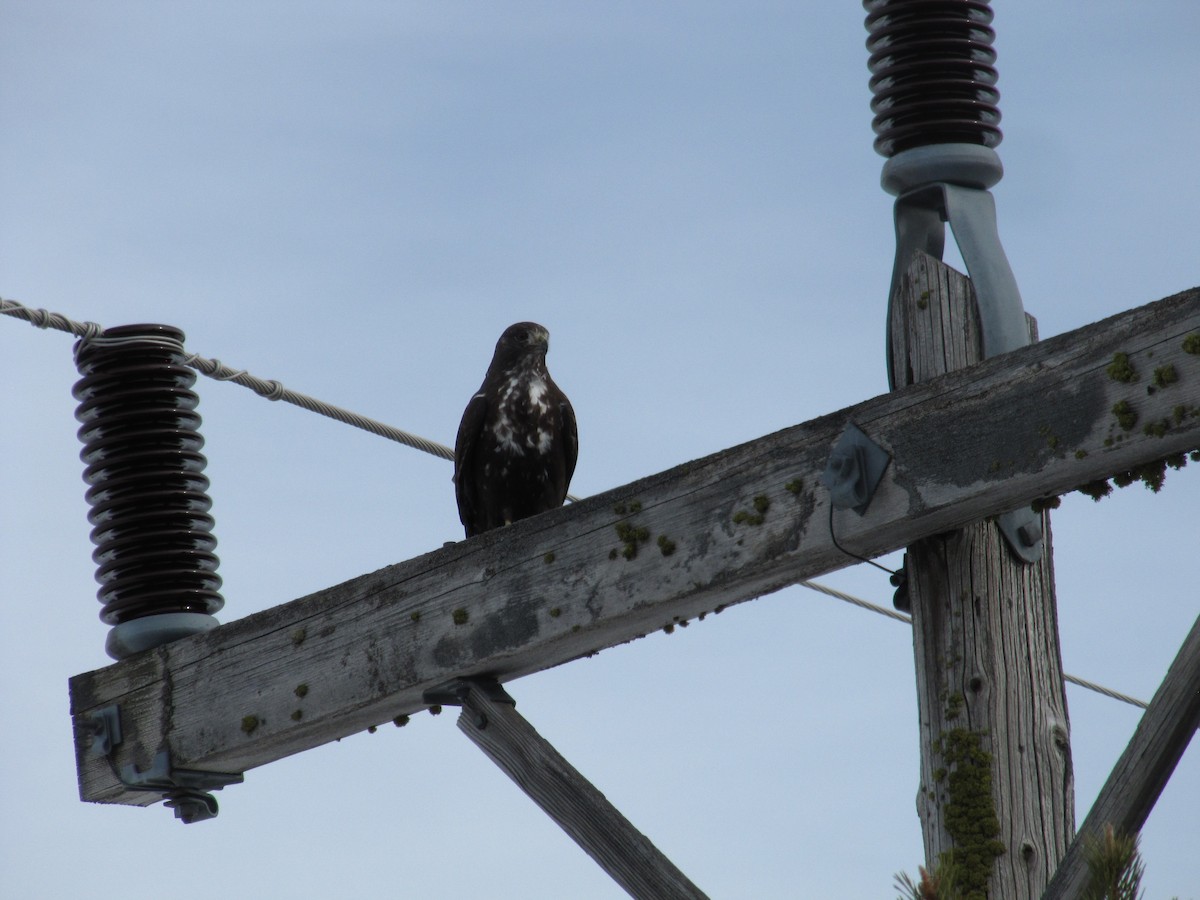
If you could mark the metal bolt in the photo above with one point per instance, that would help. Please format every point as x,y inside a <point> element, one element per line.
<point>1030,533</point>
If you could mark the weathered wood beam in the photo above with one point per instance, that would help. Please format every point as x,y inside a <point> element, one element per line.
<point>1136,781</point>
<point>985,640</point>
<point>572,801</point>
<point>672,546</point>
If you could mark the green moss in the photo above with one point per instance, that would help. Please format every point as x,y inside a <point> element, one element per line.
<point>1191,343</point>
<point>301,691</point>
<point>666,545</point>
<point>620,509</point>
<point>1152,474</point>
<point>1081,454</point>
<point>631,535</point>
<point>1044,503</point>
<point>970,814</point>
<point>400,721</point>
<point>555,612</point>
<point>249,724</point>
<point>635,506</point>
<point>297,715</point>
<point>612,554</point>
<point>1097,490</point>
<point>298,635</point>
<point>1121,369</point>
<point>1127,416</point>
<point>460,616</point>
<point>1165,375</point>
<point>954,705</point>
<point>1156,429</point>
<point>761,504</point>
<point>548,558</point>
<point>415,616</point>
<point>669,628</point>
<point>435,710</point>
<point>795,486</point>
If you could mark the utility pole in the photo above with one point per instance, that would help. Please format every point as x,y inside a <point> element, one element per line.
<point>996,796</point>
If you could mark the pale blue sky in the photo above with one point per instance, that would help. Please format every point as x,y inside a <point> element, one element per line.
<point>356,198</point>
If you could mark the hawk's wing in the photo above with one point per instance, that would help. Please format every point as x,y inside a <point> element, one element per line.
<point>570,439</point>
<point>465,445</point>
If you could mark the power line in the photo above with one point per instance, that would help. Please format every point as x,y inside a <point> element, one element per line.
<point>901,617</point>
<point>214,368</point>
<point>274,390</point>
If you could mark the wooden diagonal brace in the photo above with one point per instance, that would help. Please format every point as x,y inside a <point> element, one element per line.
<point>1162,735</point>
<point>493,724</point>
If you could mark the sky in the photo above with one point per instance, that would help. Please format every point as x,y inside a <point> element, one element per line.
<point>356,199</point>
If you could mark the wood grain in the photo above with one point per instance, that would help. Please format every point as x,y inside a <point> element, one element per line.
<point>985,634</point>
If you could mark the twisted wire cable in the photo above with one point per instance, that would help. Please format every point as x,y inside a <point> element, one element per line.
<point>214,368</point>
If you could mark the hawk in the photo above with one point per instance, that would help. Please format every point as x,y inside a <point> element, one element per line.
<point>517,443</point>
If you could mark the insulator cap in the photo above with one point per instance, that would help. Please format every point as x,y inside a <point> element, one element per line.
<point>147,491</point>
<point>932,73</point>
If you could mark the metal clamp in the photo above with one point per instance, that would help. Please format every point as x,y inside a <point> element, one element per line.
<point>184,790</point>
<point>103,729</point>
<point>948,183</point>
<point>855,468</point>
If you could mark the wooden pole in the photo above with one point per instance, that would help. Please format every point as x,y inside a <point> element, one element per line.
<point>584,813</point>
<point>1137,780</point>
<point>996,794</point>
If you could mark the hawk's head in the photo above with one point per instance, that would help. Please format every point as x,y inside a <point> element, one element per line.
<point>522,345</point>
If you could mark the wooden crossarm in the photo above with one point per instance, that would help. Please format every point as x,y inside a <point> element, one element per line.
<point>669,547</point>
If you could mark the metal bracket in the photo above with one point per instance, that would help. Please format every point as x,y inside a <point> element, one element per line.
<point>454,693</point>
<point>184,790</point>
<point>948,183</point>
<point>103,727</point>
<point>855,468</point>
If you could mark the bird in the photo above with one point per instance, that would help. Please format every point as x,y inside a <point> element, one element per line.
<point>518,442</point>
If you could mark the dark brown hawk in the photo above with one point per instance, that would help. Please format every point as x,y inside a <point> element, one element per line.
<point>517,443</point>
